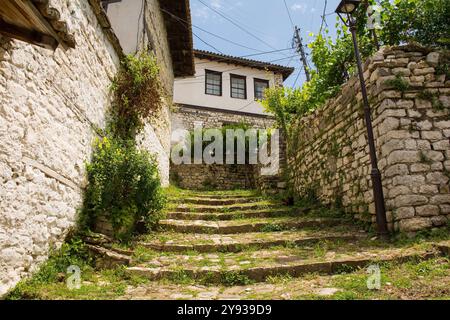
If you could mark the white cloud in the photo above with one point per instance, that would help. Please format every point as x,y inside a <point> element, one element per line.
<point>299,7</point>
<point>201,13</point>
<point>216,4</point>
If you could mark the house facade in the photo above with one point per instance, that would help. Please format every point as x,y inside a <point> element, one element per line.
<point>225,87</point>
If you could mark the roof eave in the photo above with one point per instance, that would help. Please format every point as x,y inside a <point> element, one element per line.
<point>177,18</point>
<point>261,65</point>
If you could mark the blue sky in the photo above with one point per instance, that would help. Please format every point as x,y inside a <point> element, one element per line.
<point>266,19</point>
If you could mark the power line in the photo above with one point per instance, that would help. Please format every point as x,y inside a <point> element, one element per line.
<point>186,25</point>
<point>216,35</point>
<point>247,105</point>
<point>289,14</point>
<point>296,79</point>
<point>236,24</point>
<point>224,39</point>
<point>210,45</point>
<point>323,16</point>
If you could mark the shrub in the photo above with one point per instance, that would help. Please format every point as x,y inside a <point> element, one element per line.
<point>223,133</point>
<point>123,181</point>
<point>124,187</point>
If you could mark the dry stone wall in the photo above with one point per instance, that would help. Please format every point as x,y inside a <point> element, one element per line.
<point>51,104</point>
<point>213,176</point>
<point>409,92</point>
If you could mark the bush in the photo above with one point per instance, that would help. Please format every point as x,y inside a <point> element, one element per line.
<point>124,187</point>
<point>237,142</point>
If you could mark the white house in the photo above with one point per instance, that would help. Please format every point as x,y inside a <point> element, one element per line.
<point>228,83</point>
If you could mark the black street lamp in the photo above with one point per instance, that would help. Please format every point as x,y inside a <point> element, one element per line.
<point>347,7</point>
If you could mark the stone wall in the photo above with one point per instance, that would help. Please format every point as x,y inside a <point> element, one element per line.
<point>329,152</point>
<point>214,176</point>
<point>50,106</point>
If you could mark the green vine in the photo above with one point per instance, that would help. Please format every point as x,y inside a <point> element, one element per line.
<point>137,95</point>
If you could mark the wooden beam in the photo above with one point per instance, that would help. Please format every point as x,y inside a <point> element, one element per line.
<point>38,19</point>
<point>33,37</point>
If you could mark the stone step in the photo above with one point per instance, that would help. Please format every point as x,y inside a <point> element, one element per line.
<point>260,264</point>
<point>228,216</point>
<point>202,243</point>
<point>217,195</point>
<point>216,201</point>
<point>225,208</point>
<point>245,225</point>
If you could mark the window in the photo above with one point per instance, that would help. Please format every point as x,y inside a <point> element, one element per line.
<point>213,83</point>
<point>260,86</point>
<point>238,86</point>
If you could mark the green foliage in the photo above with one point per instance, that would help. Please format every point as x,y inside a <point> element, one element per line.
<point>222,133</point>
<point>235,279</point>
<point>72,252</point>
<point>137,95</point>
<point>124,187</point>
<point>402,21</point>
<point>422,21</point>
<point>443,69</point>
<point>398,83</point>
<point>433,98</point>
<point>271,227</point>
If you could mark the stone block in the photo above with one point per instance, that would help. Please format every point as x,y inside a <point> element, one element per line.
<point>415,224</point>
<point>428,189</point>
<point>399,156</point>
<point>439,221</point>
<point>440,199</point>
<point>436,178</point>
<point>410,200</point>
<point>431,135</point>
<point>428,210</point>
<point>423,71</point>
<point>398,169</point>
<point>404,213</point>
<point>433,59</point>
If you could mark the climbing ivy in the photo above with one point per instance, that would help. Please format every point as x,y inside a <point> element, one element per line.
<point>137,95</point>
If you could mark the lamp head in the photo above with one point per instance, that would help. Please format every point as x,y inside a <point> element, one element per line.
<point>348,6</point>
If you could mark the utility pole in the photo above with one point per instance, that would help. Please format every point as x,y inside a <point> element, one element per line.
<point>301,52</point>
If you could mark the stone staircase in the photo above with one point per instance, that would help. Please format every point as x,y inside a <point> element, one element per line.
<point>236,238</point>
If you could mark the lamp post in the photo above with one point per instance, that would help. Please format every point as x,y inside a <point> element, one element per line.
<point>347,7</point>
